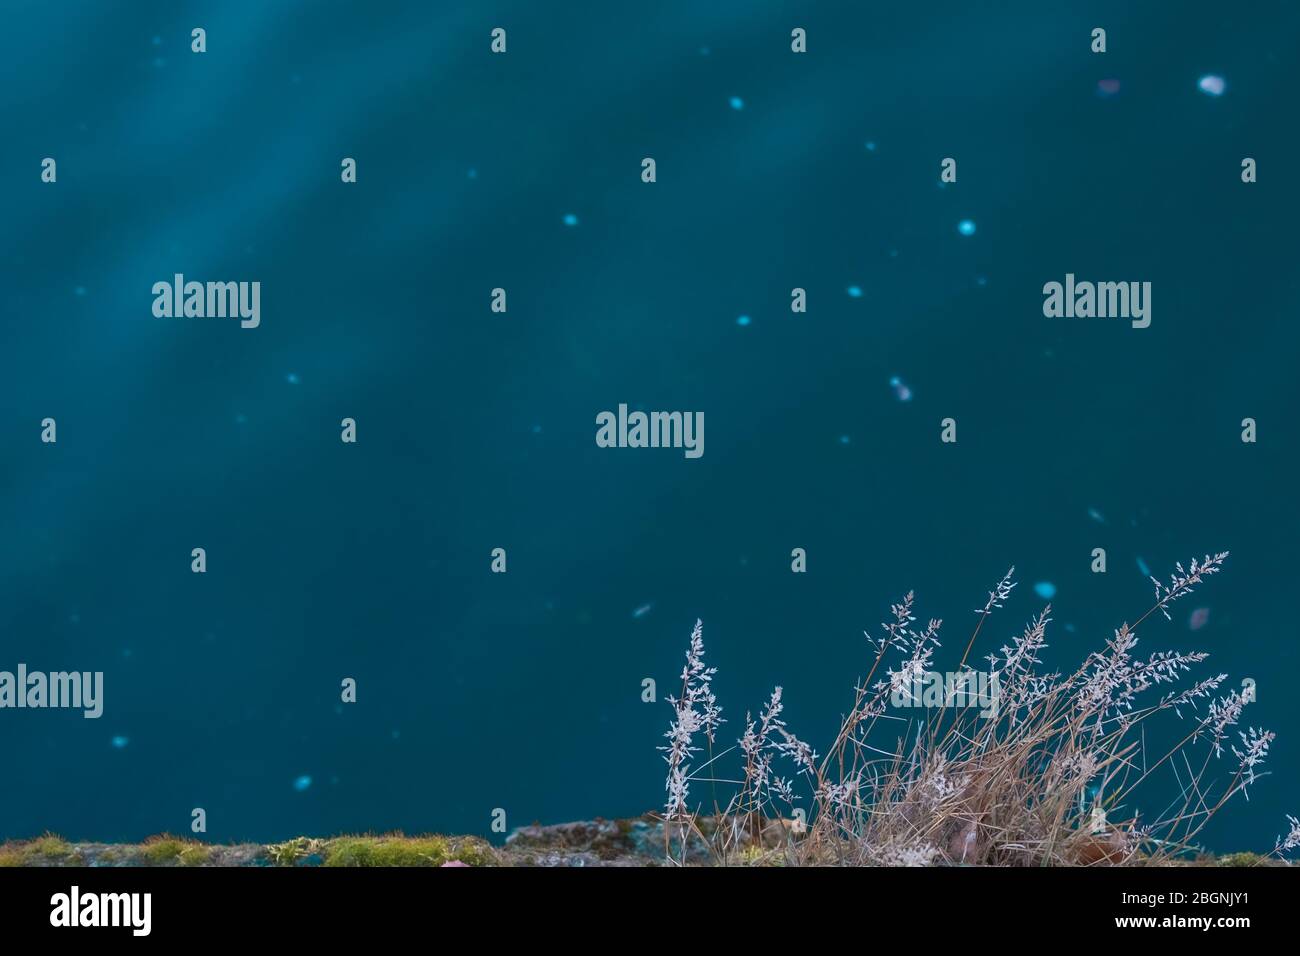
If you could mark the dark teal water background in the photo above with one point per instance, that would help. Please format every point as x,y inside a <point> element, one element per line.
<point>476,431</point>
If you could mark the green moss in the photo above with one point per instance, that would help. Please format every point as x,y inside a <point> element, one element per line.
<point>398,850</point>
<point>1240,859</point>
<point>386,851</point>
<point>196,854</point>
<point>50,847</point>
<point>473,852</point>
<point>752,855</point>
<point>289,852</point>
<point>164,850</point>
<point>758,856</point>
<point>47,850</point>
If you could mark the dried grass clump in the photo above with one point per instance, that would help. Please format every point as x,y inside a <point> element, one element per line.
<point>1046,778</point>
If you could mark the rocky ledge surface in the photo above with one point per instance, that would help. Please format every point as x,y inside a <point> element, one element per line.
<point>628,842</point>
<point>635,841</point>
